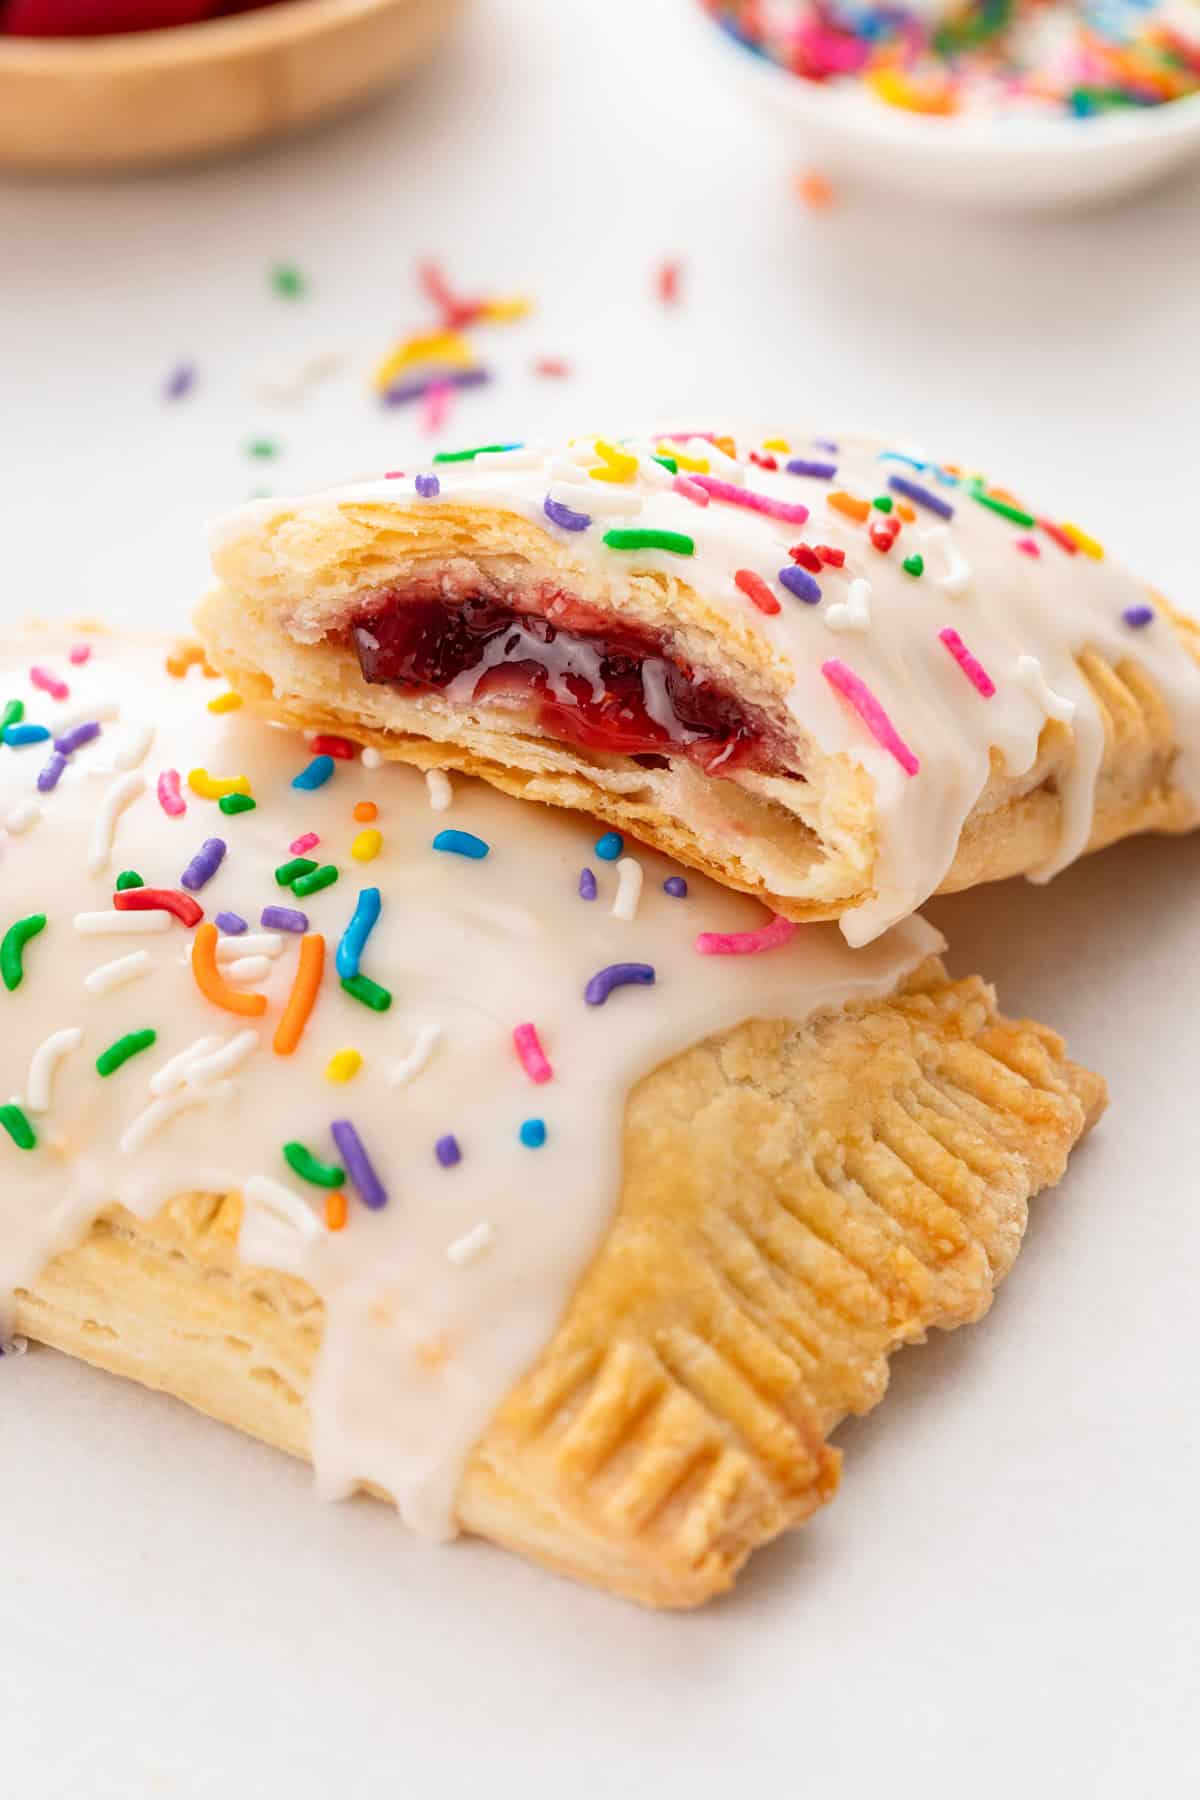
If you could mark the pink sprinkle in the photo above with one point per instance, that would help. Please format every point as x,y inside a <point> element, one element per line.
<point>435,407</point>
<point>79,653</point>
<point>974,671</point>
<point>529,1049</point>
<point>793,512</point>
<point>690,490</point>
<point>49,684</point>
<point>746,943</point>
<point>1028,546</point>
<point>299,845</point>
<point>393,474</point>
<point>169,797</point>
<point>856,691</point>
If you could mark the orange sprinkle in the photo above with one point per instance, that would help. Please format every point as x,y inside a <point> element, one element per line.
<point>847,504</point>
<point>303,995</point>
<point>907,513</point>
<point>813,189</point>
<point>727,445</point>
<point>208,979</point>
<point>182,658</point>
<point>335,1210</point>
<point>365,811</point>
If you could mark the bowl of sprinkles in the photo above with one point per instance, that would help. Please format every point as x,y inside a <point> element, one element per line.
<point>1021,103</point>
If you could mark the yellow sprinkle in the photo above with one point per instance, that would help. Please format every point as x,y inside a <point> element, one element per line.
<point>215,787</point>
<point>777,444</point>
<point>503,310</point>
<point>225,702</point>
<point>695,465</point>
<point>448,347</point>
<point>618,464</point>
<point>366,846</point>
<point>1087,544</point>
<point>343,1065</point>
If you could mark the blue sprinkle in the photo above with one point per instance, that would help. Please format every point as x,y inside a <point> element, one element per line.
<point>819,471</point>
<point>447,1151</point>
<point>562,516</point>
<point>48,776</point>
<point>462,843</point>
<point>428,486</point>
<point>610,846</point>
<point>316,775</point>
<point>232,924</point>
<point>19,735</point>
<point>921,496</point>
<point>1137,616</point>
<point>798,581</point>
<point>354,939</point>
<point>532,1133</point>
<point>898,456</point>
<point>676,886</point>
<point>587,885</point>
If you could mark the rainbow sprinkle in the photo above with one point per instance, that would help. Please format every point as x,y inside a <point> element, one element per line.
<point>869,710</point>
<point>974,670</point>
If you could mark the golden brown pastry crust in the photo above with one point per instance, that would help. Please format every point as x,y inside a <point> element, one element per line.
<point>797,1203</point>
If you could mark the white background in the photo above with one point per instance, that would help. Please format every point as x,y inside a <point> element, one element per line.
<point>1004,1597</point>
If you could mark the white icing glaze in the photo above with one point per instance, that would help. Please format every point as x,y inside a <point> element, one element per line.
<point>437,1303</point>
<point>1016,611</point>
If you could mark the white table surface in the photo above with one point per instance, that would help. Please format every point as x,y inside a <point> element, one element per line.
<point>1003,1599</point>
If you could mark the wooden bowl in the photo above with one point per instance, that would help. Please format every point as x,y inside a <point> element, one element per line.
<point>197,90</point>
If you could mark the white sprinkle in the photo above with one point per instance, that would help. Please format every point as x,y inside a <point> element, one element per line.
<point>472,1244</point>
<point>596,499</point>
<point>22,816</point>
<point>955,576</point>
<point>115,974</point>
<point>173,1074</point>
<point>202,1072</point>
<point>131,750</point>
<point>529,456</point>
<point>123,791</point>
<point>441,794</point>
<point>98,710</point>
<point>120,924</point>
<point>854,612</point>
<point>44,1062</point>
<point>1055,706</point>
<point>727,467</point>
<point>250,943</point>
<point>629,888</point>
<point>278,1228</point>
<point>161,1112</point>
<point>652,472</point>
<point>427,1040</point>
<point>371,758</point>
<point>245,970</point>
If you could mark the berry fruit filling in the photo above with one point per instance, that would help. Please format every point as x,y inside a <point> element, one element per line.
<point>594,685</point>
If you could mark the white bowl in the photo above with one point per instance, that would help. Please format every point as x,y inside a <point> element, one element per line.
<point>1021,163</point>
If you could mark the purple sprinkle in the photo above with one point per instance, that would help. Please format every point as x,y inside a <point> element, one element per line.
<point>73,740</point>
<point>232,924</point>
<point>180,381</point>
<point>447,1151</point>
<point>587,885</point>
<point>799,582</point>
<point>1137,616</point>
<point>419,386</point>
<point>614,976</point>
<point>428,486</point>
<point>561,515</point>
<point>204,864</point>
<point>284,918</point>
<point>921,496</point>
<point>358,1164</point>
<point>826,444</point>
<point>820,471</point>
<point>48,777</point>
<point>676,886</point>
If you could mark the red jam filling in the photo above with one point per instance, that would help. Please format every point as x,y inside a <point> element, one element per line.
<point>595,686</point>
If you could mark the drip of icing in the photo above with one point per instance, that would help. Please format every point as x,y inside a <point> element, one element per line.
<point>422,1339</point>
<point>879,617</point>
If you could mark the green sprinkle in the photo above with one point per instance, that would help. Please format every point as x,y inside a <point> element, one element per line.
<point>444,456</point>
<point>288,872</point>
<point>236,803</point>
<point>668,462</point>
<point>12,949</point>
<point>1003,508</point>
<point>361,987</point>
<point>263,448</point>
<point>882,502</point>
<point>128,878</point>
<point>625,539</point>
<point>18,1127</point>
<point>110,1060</point>
<point>14,712</point>
<point>320,878</point>
<point>914,565</point>
<point>287,281</point>
<point>303,1163</point>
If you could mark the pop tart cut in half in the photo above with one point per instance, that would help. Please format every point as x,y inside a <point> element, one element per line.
<point>836,675</point>
<point>540,1189</point>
